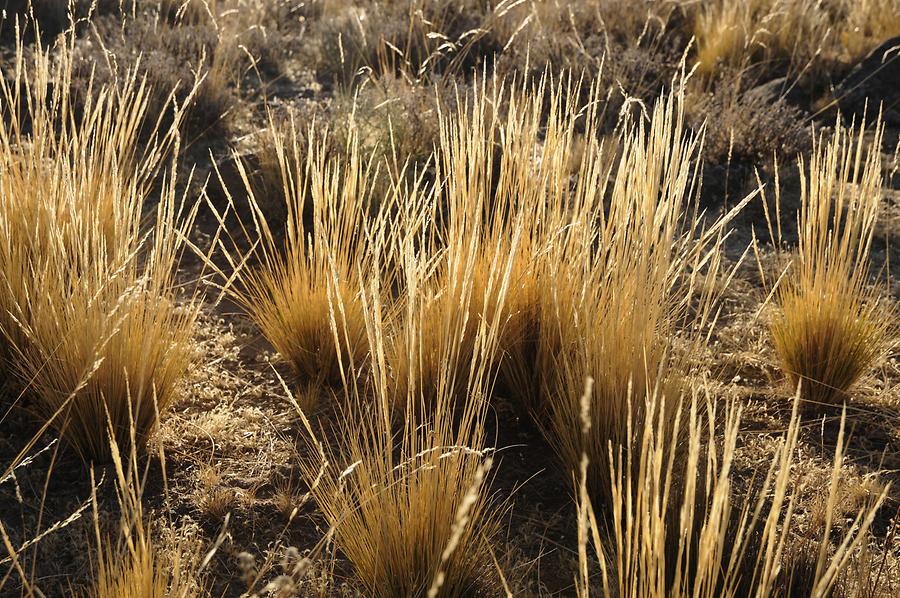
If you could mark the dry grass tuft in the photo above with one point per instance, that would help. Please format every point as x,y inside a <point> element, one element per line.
<point>131,564</point>
<point>303,292</point>
<point>606,273</point>
<point>725,546</point>
<point>404,489</point>
<point>614,316</point>
<point>832,324</point>
<point>88,308</point>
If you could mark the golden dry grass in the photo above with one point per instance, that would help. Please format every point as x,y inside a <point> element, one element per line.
<point>726,544</point>
<point>88,307</point>
<point>604,272</point>
<point>832,325</point>
<point>428,295</point>
<point>614,322</point>
<point>404,487</point>
<point>303,292</point>
<point>800,34</point>
<point>130,563</point>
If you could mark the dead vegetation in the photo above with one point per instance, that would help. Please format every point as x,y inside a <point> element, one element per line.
<point>832,325</point>
<point>423,298</point>
<point>91,328</point>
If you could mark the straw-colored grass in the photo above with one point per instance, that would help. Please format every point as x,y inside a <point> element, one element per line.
<point>446,304</point>
<point>622,301</point>
<point>722,36</point>
<point>798,36</point>
<point>371,288</point>
<point>832,324</point>
<point>605,272</point>
<point>436,278</point>
<point>403,486</point>
<point>131,563</point>
<point>88,310</point>
<point>869,22</point>
<point>302,290</point>
<point>506,174</point>
<point>724,544</point>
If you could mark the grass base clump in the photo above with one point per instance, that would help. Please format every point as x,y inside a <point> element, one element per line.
<point>404,488</point>
<point>88,310</point>
<point>831,325</point>
<point>611,263</point>
<point>303,290</point>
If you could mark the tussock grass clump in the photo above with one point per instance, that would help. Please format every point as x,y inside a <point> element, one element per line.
<point>717,544</point>
<point>832,324</point>
<point>869,22</point>
<point>303,290</point>
<point>507,174</point>
<point>443,306</point>
<point>607,270</point>
<point>139,575</point>
<point>635,286</point>
<point>403,487</point>
<point>798,37</point>
<point>726,34</point>
<point>88,308</point>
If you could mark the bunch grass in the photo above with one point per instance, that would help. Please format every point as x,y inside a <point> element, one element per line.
<point>724,545</point>
<point>302,288</point>
<point>612,262</point>
<point>92,325</point>
<point>405,487</point>
<point>132,562</point>
<point>832,323</point>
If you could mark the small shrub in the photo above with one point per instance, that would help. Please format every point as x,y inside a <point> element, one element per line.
<point>395,120</point>
<point>747,129</point>
<point>415,41</point>
<point>196,60</point>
